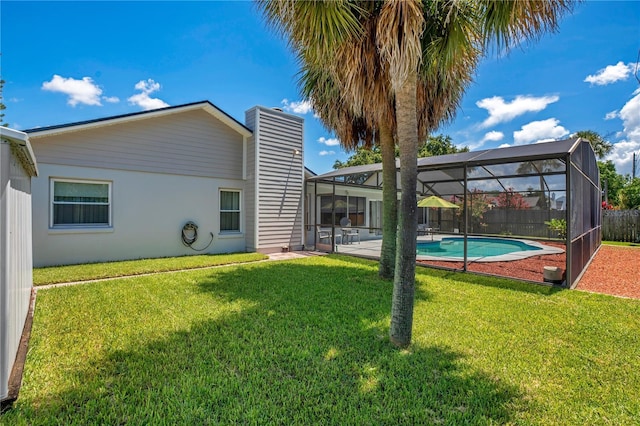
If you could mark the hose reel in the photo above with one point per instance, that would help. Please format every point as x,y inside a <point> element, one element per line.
<point>190,236</point>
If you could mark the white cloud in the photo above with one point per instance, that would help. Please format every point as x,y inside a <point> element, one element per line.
<point>611,115</point>
<point>539,131</point>
<point>301,107</point>
<point>630,114</point>
<point>501,111</point>
<point>493,136</point>
<point>610,74</point>
<point>143,99</point>
<point>325,152</point>
<point>329,142</point>
<point>622,154</point>
<point>504,145</point>
<point>83,91</point>
<point>111,99</point>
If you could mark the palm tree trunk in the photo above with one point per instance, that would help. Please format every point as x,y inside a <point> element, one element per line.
<point>389,202</point>
<point>404,279</point>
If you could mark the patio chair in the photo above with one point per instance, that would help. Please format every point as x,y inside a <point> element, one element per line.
<point>348,233</point>
<point>325,234</point>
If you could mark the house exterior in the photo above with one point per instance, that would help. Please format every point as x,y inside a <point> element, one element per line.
<point>168,182</point>
<point>17,168</point>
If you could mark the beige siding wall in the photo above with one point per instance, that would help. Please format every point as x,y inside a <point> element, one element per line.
<point>191,143</point>
<point>250,193</point>
<point>280,177</point>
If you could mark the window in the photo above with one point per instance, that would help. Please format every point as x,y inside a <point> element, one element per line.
<point>345,206</point>
<point>80,203</point>
<point>230,211</point>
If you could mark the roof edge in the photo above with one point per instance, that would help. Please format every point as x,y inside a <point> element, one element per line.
<point>277,111</point>
<point>20,142</point>
<point>142,115</point>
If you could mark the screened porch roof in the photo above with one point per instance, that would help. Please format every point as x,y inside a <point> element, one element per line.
<point>492,169</point>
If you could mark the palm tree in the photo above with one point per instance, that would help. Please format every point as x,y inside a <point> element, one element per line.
<point>359,119</point>
<point>405,24</point>
<point>428,51</point>
<point>600,145</point>
<point>355,100</point>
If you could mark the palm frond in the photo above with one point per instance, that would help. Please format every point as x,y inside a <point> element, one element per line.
<point>399,31</point>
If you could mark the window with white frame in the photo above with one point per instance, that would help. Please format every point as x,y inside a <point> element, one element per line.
<point>229,211</point>
<point>80,203</point>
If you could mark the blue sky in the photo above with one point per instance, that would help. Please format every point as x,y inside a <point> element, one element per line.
<point>72,61</point>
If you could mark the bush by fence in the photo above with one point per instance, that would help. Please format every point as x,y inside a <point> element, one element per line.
<point>621,225</point>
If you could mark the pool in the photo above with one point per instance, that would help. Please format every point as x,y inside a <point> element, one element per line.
<point>482,249</point>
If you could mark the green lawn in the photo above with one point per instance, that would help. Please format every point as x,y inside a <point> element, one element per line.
<point>93,271</point>
<point>618,243</point>
<point>305,342</point>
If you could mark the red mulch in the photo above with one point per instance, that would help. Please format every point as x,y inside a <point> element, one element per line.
<point>614,270</point>
<point>527,269</point>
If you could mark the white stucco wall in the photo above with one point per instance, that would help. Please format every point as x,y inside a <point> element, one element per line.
<point>148,213</point>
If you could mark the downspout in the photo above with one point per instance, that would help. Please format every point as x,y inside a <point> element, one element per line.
<point>305,201</point>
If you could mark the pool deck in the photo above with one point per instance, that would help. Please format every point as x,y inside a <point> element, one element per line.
<point>371,249</point>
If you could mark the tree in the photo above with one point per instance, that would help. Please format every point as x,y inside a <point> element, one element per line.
<point>509,199</point>
<point>2,106</point>
<point>434,145</point>
<point>630,195</point>
<point>361,157</point>
<point>426,53</point>
<point>477,206</point>
<point>439,145</point>
<point>405,25</point>
<point>344,76</point>
<point>601,147</point>
<point>610,181</point>
<point>344,109</point>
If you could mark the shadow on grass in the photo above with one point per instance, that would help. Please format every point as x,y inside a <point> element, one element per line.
<point>312,348</point>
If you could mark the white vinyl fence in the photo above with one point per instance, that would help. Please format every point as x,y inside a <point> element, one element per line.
<point>17,167</point>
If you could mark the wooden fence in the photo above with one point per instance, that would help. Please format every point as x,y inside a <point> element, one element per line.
<point>621,225</point>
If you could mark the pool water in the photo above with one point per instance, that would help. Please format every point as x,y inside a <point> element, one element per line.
<point>476,247</point>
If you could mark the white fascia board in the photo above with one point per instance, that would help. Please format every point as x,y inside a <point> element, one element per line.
<point>20,140</point>
<point>206,106</point>
<point>227,120</point>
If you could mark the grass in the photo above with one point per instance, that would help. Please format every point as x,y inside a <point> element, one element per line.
<point>618,243</point>
<point>93,271</point>
<point>305,341</point>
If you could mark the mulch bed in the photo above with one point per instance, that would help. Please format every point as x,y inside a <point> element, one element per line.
<point>615,270</point>
<point>530,269</point>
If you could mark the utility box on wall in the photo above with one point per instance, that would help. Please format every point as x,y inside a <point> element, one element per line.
<point>17,167</point>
